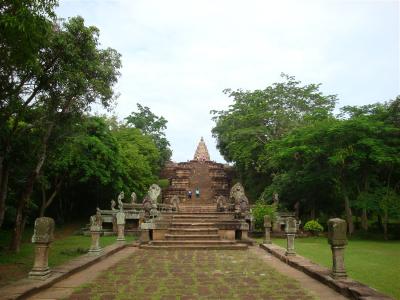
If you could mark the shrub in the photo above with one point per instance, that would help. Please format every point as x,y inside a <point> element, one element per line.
<point>259,210</point>
<point>313,226</point>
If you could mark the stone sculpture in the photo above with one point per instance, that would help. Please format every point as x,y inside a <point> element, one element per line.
<point>42,237</point>
<point>175,203</point>
<point>121,196</point>
<point>96,228</point>
<point>239,200</point>
<point>113,203</point>
<point>150,200</point>
<point>221,203</point>
<point>133,198</point>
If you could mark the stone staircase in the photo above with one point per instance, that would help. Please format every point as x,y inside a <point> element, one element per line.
<point>194,229</point>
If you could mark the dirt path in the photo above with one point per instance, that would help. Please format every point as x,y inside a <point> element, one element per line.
<point>190,274</point>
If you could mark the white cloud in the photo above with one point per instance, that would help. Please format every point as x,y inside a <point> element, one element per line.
<point>178,56</point>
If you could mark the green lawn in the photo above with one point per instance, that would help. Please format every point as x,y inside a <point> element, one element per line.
<point>65,247</point>
<point>373,262</point>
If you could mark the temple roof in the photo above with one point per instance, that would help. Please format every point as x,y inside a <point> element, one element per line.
<point>201,153</point>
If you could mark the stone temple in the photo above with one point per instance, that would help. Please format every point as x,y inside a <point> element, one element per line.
<point>211,178</point>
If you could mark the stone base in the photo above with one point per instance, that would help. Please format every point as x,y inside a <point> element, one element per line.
<point>337,275</point>
<point>121,239</point>
<point>95,251</point>
<point>267,242</point>
<point>290,253</point>
<point>39,274</point>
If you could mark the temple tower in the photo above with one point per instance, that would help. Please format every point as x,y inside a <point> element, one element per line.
<point>201,153</point>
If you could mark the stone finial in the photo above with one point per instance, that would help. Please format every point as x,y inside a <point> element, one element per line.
<point>290,225</point>
<point>43,231</point>
<point>267,221</point>
<point>43,235</point>
<point>337,229</point>
<point>338,240</point>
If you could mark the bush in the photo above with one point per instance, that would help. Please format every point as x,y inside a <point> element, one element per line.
<point>259,210</point>
<point>313,226</point>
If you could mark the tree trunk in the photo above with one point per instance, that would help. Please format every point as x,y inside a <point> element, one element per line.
<point>27,191</point>
<point>364,219</point>
<point>3,191</point>
<point>385,225</point>
<point>46,203</point>
<point>349,214</point>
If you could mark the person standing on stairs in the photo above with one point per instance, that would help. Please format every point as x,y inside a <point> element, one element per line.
<point>197,193</point>
<point>189,194</point>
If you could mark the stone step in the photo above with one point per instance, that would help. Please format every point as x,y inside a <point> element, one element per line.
<point>203,231</point>
<point>193,224</point>
<point>195,216</point>
<point>181,237</point>
<point>192,242</point>
<point>195,247</point>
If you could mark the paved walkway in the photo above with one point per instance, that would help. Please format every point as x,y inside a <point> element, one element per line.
<point>190,274</point>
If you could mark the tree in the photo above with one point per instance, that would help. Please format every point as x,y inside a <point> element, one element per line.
<point>80,74</point>
<point>153,126</point>
<point>25,26</point>
<point>257,117</point>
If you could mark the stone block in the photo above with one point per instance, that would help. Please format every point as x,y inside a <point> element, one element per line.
<point>43,230</point>
<point>290,225</point>
<point>337,229</point>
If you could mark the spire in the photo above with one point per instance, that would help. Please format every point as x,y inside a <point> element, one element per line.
<point>201,153</point>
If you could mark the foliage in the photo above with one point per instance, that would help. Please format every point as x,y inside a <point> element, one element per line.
<point>258,117</point>
<point>261,209</point>
<point>153,126</point>
<point>313,226</point>
<point>285,140</point>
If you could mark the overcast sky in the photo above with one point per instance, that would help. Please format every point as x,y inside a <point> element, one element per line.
<point>178,56</point>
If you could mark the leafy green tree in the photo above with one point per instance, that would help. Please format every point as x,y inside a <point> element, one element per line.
<point>345,158</point>
<point>80,74</point>
<point>25,26</point>
<point>258,117</point>
<point>153,126</point>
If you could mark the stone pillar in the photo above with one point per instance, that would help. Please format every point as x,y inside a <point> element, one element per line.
<point>244,228</point>
<point>144,235</point>
<point>290,229</point>
<point>120,216</point>
<point>338,240</point>
<point>267,227</point>
<point>43,235</point>
<point>95,231</point>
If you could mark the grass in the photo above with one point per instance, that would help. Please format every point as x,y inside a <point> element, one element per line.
<point>14,266</point>
<point>372,262</point>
